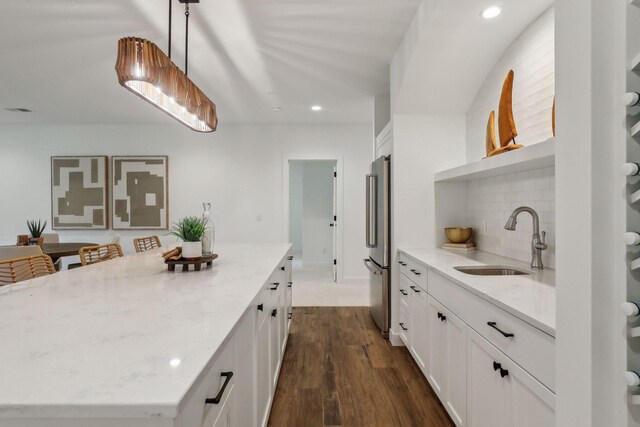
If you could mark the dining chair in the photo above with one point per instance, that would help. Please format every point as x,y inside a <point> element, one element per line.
<point>95,254</point>
<point>11,252</point>
<point>18,269</point>
<point>143,244</point>
<point>51,238</point>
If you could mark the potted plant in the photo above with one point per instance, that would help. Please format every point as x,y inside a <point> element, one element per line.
<point>35,230</point>
<point>190,230</point>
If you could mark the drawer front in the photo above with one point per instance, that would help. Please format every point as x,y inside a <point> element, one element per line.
<point>404,325</point>
<point>531,348</point>
<point>217,383</point>
<point>415,271</point>
<point>404,289</point>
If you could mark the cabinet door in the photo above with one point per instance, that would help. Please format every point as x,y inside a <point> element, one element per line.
<point>419,317</point>
<point>263,371</point>
<point>437,345</point>
<point>275,347</point>
<point>455,388</point>
<point>488,393</point>
<point>225,418</point>
<point>533,404</point>
<point>403,324</point>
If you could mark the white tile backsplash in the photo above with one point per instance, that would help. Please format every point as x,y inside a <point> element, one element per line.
<point>490,201</point>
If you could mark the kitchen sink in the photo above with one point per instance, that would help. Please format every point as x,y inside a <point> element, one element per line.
<point>491,270</point>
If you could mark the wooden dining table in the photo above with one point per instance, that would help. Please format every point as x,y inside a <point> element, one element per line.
<point>59,250</point>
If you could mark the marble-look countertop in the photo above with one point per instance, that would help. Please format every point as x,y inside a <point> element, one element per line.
<point>532,297</point>
<point>123,338</point>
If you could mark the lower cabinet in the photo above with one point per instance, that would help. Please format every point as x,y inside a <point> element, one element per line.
<point>418,316</point>
<point>500,393</point>
<point>225,417</point>
<point>447,368</point>
<point>263,372</point>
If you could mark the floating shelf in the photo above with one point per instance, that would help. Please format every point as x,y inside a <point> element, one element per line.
<point>534,156</point>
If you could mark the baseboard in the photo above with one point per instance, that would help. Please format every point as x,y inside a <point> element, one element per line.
<point>395,339</point>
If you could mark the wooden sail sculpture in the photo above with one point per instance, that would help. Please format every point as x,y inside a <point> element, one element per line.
<point>491,133</point>
<point>506,123</point>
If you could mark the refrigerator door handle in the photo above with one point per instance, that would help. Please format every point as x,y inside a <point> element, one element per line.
<point>372,205</point>
<point>367,263</point>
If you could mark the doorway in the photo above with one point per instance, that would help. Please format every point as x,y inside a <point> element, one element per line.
<point>313,219</point>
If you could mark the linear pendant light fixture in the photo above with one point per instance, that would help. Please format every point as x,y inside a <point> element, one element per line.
<point>145,70</point>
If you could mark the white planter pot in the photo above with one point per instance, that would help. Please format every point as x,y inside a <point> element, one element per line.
<point>191,250</point>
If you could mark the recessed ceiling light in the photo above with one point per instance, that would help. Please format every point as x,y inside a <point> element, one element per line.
<point>316,108</point>
<point>491,12</point>
<point>276,109</point>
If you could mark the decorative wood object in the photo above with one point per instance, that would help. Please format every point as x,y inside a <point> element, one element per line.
<point>185,263</point>
<point>491,133</point>
<point>506,123</point>
<point>95,254</point>
<point>79,193</point>
<point>19,269</point>
<point>145,70</point>
<point>143,244</point>
<point>172,254</point>
<point>553,117</point>
<point>23,240</point>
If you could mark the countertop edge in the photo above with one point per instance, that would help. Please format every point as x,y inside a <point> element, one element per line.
<point>543,327</point>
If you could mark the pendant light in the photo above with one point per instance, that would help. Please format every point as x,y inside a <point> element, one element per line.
<point>145,70</point>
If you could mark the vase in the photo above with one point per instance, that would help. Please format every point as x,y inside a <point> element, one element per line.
<point>191,250</point>
<point>209,236</point>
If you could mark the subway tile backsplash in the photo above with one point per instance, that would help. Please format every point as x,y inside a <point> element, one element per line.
<point>490,201</point>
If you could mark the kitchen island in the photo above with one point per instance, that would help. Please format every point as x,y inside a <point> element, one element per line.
<point>127,343</point>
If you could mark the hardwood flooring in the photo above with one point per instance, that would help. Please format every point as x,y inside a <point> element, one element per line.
<point>339,371</point>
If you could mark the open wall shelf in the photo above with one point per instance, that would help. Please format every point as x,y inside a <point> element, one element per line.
<point>534,156</point>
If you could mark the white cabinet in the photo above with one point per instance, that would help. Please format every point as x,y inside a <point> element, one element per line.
<point>418,319</point>
<point>263,371</point>
<point>225,417</point>
<point>501,393</point>
<point>404,325</point>
<point>447,368</point>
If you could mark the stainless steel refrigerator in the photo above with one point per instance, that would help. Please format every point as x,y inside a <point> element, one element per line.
<point>378,236</point>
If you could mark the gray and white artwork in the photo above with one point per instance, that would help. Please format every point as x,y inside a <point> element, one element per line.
<point>79,193</point>
<point>139,192</point>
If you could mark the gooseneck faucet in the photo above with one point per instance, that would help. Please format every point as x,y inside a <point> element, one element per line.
<point>537,244</point>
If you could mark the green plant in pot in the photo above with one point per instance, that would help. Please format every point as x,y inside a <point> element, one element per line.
<point>35,231</point>
<point>190,230</point>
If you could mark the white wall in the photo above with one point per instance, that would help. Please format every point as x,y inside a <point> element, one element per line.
<point>317,235</point>
<point>238,168</point>
<point>490,201</point>
<point>531,56</point>
<point>295,205</point>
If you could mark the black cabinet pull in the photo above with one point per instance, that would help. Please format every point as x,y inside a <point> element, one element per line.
<point>417,273</point>
<point>496,366</point>
<point>261,307</point>
<point>412,287</point>
<point>216,400</point>
<point>289,284</point>
<point>403,292</point>
<point>290,258</point>
<point>503,372</point>
<point>439,315</point>
<point>274,313</point>
<point>275,286</point>
<point>443,318</point>
<point>402,326</point>
<point>404,264</point>
<point>282,268</point>
<point>290,316</point>
<point>504,334</point>
<point>413,270</point>
<point>415,289</point>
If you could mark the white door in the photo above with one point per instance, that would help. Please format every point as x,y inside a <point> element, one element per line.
<point>335,223</point>
<point>488,391</point>
<point>419,314</point>
<point>455,389</point>
<point>437,345</point>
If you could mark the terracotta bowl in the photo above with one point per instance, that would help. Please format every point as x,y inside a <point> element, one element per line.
<point>458,234</point>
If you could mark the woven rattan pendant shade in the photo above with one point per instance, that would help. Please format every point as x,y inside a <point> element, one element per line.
<point>146,71</point>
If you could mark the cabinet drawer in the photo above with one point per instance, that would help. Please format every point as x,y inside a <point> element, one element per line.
<point>403,263</point>
<point>217,382</point>
<point>403,324</point>
<point>414,270</point>
<point>404,290</point>
<point>531,348</point>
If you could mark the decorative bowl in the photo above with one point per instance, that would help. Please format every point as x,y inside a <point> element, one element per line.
<point>458,234</point>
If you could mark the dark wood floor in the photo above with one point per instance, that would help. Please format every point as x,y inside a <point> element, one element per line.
<point>339,371</point>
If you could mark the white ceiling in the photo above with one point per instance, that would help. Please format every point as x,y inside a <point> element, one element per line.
<point>58,57</point>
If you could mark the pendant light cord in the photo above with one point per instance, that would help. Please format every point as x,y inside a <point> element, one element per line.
<point>169,48</point>
<point>186,39</point>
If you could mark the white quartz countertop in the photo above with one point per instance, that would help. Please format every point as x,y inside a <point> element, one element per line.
<point>123,338</point>
<point>532,297</point>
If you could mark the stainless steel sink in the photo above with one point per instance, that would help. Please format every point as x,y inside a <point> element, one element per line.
<point>491,270</point>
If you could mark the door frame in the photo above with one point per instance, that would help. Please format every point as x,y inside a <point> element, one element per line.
<point>339,205</point>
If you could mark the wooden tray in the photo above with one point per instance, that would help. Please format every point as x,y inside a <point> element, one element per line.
<point>196,262</point>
